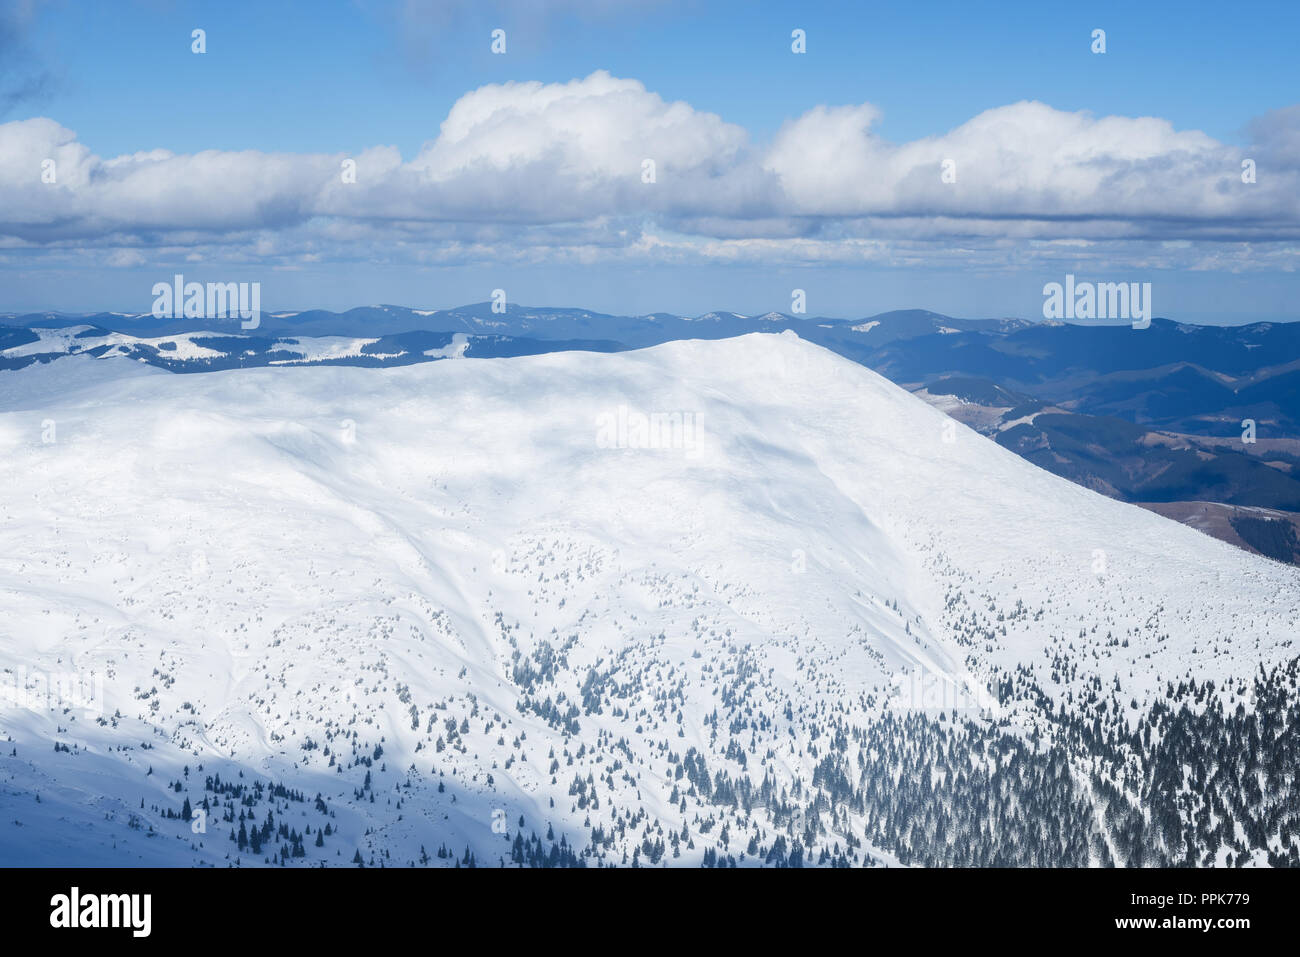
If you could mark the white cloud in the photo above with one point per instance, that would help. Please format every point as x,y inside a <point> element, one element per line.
<point>531,170</point>
<point>1067,173</point>
<point>598,127</point>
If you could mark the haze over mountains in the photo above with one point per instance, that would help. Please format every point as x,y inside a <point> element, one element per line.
<point>1198,422</point>
<point>445,614</point>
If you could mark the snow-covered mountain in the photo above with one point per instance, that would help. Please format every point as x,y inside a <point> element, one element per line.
<point>667,606</point>
<point>206,350</point>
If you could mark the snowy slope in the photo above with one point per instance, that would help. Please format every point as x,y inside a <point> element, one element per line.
<point>473,585</point>
<point>70,339</point>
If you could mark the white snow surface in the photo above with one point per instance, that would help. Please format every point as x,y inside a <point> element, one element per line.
<point>65,340</point>
<point>452,350</point>
<point>321,348</point>
<point>251,560</point>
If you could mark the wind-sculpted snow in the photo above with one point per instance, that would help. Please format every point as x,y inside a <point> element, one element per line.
<point>655,607</point>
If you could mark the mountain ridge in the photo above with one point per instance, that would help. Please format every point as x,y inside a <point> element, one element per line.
<point>432,600</point>
<point>1216,409</point>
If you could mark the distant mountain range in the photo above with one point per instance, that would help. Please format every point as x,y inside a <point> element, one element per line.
<point>1201,423</point>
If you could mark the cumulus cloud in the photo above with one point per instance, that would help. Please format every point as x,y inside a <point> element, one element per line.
<point>558,151</point>
<point>1276,135</point>
<point>536,170</point>
<point>596,128</point>
<point>1066,173</point>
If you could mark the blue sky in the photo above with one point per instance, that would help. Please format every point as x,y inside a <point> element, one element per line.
<point>307,81</point>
